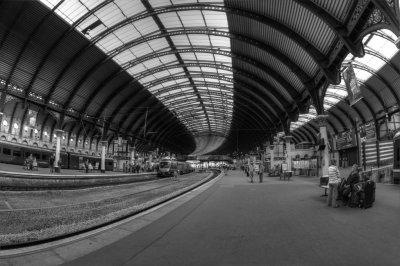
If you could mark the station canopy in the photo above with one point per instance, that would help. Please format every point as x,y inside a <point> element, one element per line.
<point>198,76</point>
<point>170,54</point>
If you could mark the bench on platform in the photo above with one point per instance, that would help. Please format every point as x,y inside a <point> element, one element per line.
<point>323,183</point>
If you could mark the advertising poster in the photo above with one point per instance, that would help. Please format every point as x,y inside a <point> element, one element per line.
<point>352,87</point>
<point>32,118</point>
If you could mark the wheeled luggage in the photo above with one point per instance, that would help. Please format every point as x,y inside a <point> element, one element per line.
<point>368,197</point>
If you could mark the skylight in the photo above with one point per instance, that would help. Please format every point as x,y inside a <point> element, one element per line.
<point>137,42</point>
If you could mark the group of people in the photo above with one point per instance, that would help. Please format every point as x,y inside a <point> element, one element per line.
<point>31,163</point>
<point>251,172</point>
<point>341,187</point>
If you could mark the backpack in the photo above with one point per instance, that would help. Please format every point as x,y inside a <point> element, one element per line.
<point>354,201</point>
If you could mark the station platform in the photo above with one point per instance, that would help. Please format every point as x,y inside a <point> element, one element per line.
<point>13,168</point>
<point>235,222</point>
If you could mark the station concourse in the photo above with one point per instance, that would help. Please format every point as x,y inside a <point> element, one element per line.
<point>114,94</point>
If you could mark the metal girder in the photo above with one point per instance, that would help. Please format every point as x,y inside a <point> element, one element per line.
<point>162,28</point>
<point>266,48</point>
<point>259,109</point>
<point>377,96</point>
<point>296,138</point>
<point>248,89</point>
<point>307,81</point>
<point>364,101</point>
<point>345,114</point>
<point>311,134</point>
<point>306,134</point>
<point>269,71</point>
<point>355,109</point>
<point>237,71</point>
<point>389,13</point>
<point>27,41</point>
<point>340,30</point>
<point>333,115</point>
<point>314,53</point>
<point>384,59</point>
<point>219,77</point>
<point>17,17</point>
<point>59,40</point>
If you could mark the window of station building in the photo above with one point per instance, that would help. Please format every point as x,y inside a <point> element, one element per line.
<point>6,151</point>
<point>45,157</point>
<point>17,153</point>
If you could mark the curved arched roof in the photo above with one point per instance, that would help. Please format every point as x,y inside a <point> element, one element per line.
<point>193,76</point>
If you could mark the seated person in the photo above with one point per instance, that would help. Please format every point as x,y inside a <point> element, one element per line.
<point>348,186</point>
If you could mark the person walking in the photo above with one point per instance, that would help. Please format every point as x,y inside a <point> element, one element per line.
<point>251,172</point>
<point>334,181</point>
<point>51,162</point>
<point>261,173</point>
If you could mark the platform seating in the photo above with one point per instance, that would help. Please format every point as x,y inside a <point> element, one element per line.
<point>323,183</point>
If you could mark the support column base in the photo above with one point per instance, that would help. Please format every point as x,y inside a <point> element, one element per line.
<point>57,169</point>
<point>102,171</point>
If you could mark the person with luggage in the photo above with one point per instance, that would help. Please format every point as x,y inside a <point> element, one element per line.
<point>334,181</point>
<point>348,187</point>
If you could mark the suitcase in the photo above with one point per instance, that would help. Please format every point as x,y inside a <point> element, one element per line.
<point>368,194</point>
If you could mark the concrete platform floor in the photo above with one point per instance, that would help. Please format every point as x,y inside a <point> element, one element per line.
<point>13,168</point>
<point>234,222</point>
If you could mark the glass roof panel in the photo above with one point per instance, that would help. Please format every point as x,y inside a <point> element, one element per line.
<point>199,40</point>
<point>170,20</point>
<point>154,73</point>
<point>215,19</point>
<point>192,18</point>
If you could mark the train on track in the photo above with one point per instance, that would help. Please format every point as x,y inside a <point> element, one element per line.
<point>167,167</point>
<point>15,153</point>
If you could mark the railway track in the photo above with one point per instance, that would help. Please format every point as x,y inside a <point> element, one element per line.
<point>124,206</point>
<point>39,183</point>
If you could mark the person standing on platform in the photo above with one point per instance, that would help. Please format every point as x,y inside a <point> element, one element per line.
<point>334,181</point>
<point>59,164</point>
<point>51,162</point>
<point>261,173</point>
<point>251,172</point>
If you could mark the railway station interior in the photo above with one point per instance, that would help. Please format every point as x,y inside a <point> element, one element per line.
<point>130,129</point>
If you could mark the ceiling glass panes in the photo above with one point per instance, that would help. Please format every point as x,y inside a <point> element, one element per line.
<point>185,69</point>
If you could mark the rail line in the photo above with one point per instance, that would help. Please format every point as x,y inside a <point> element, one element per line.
<point>113,201</point>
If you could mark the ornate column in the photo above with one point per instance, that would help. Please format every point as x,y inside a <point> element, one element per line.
<point>59,134</point>
<point>321,119</point>
<point>289,152</point>
<point>103,155</point>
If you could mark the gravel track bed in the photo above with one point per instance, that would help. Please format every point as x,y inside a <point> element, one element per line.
<point>72,211</point>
